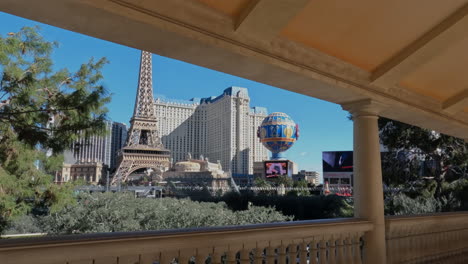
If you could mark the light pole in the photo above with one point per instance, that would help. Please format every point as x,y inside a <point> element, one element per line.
<point>107,180</point>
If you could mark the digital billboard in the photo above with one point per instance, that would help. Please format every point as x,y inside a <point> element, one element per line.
<point>338,168</point>
<point>276,168</point>
<point>337,161</point>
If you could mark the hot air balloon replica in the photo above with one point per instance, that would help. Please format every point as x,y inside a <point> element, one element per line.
<point>278,132</point>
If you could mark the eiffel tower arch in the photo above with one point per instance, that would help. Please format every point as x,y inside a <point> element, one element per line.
<point>143,148</point>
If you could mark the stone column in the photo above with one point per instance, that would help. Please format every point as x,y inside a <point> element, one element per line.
<point>368,190</point>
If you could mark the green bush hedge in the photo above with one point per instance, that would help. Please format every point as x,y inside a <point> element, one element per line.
<point>122,212</point>
<point>301,207</point>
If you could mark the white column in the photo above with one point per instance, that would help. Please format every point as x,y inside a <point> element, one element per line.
<point>368,190</point>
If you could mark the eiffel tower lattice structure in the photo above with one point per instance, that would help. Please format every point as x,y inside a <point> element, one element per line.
<point>143,148</point>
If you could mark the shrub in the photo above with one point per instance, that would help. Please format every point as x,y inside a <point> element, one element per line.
<point>301,207</point>
<point>123,212</point>
<point>23,225</point>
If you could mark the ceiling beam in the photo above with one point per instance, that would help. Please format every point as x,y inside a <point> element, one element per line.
<point>456,103</point>
<point>432,43</point>
<point>264,19</point>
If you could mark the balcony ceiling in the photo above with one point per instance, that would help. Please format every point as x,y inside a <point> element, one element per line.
<point>410,55</point>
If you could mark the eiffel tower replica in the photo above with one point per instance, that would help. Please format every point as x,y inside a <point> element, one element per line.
<point>143,148</point>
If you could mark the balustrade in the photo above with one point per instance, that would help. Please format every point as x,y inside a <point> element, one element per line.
<point>437,238</point>
<point>319,241</point>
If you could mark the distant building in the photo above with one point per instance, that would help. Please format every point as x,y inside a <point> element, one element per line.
<point>338,169</point>
<point>119,136</point>
<point>221,128</point>
<point>259,169</point>
<point>89,157</point>
<point>311,177</point>
<point>91,172</point>
<point>195,172</point>
<point>101,148</point>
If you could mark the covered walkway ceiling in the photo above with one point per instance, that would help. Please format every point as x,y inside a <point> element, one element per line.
<point>410,55</point>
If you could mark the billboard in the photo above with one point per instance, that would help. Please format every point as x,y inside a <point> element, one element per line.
<point>337,161</point>
<point>338,168</point>
<point>276,168</point>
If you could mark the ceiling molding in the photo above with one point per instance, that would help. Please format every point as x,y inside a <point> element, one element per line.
<point>264,19</point>
<point>432,43</point>
<point>456,103</point>
<point>180,35</point>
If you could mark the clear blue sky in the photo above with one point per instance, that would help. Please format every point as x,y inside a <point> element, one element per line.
<point>324,126</point>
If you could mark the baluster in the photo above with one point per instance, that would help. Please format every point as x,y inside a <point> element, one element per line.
<point>417,237</point>
<point>422,236</point>
<point>465,244</point>
<point>434,244</point>
<point>449,240</point>
<point>459,240</point>
<point>313,252</point>
<point>200,257</point>
<point>357,249</point>
<point>244,256</point>
<point>129,259</point>
<point>270,255</point>
<point>416,245</point>
<point>348,247</point>
<point>440,243</point>
<point>258,255</point>
<point>292,254</point>
<point>397,242</point>
<point>331,250</point>
<point>303,253</point>
<point>340,256</point>
<point>322,251</point>
<point>231,257</point>
<point>404,245</point>
<point>166,257</point>
<point>427,244</point>
<point>393,241</point>
<point>149,258</point>
<point>183,258</point>
<point>454,241</point>
<point>215,258</point>
<point>412,247</point>
<point>282,254</point>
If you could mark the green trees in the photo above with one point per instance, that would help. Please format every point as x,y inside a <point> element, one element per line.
<point>432,168</point>
<point>41,110</point>
<point>43,106</point>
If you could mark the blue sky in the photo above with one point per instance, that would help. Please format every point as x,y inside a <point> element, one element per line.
<point>324,126</point>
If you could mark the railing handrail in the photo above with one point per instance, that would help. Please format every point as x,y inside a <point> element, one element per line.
<point>420,216</point>
<point>425,219</point>
<point>200,241</point>
<point>314,227</point>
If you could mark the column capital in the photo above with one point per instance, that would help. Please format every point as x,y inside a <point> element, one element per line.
<point>365,107</point>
